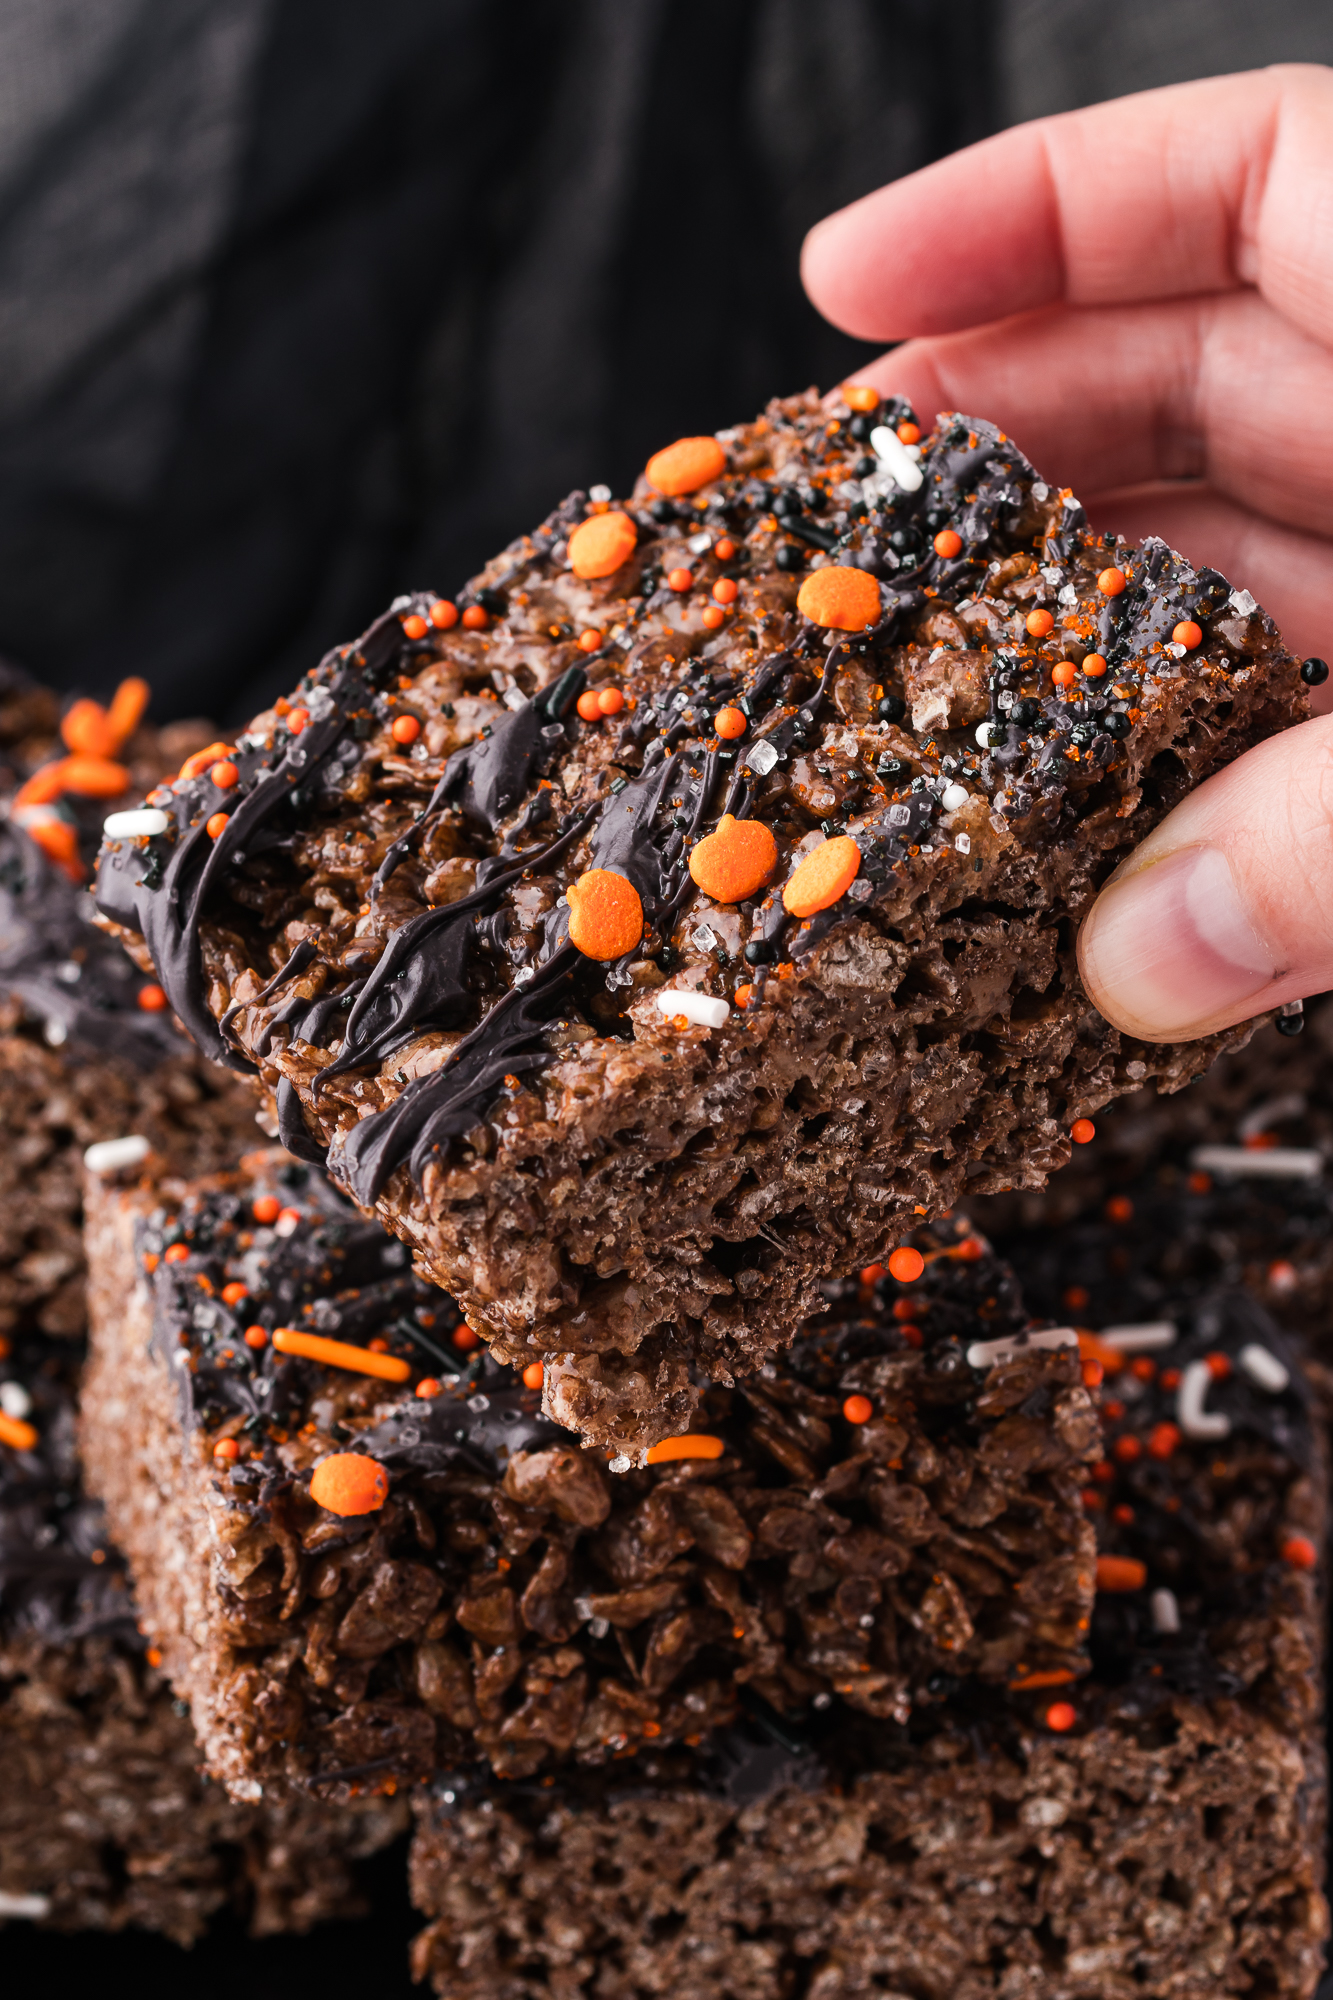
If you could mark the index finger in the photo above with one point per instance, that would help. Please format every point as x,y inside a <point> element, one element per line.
<point>1199,187</point>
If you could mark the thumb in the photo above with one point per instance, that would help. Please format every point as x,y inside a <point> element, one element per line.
<point>1226,910</point>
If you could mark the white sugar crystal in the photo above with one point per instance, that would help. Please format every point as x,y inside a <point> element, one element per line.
<point>1242,603</point>
<point>963,844</point>
<point>132,825</point>
<point>761,759</point>
<point>108,1156</point>
<point>704,938</point>
<point>700,544</point>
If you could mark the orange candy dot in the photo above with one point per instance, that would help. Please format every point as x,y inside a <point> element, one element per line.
<point>610,701</point>
<point>406,729</point>
<point>825,875</point>
<point>176,1253</point>
<point>534,1375</point>
<point>233,1294</point>
<point>735,861</point>
<point>1063,674</point>
<point>427,1388</point>
<point>1300,1552</point>
<point>590,641</point>
<point>909,433</point>
<point>1127,1449</point>
<point>415,626</point>
<point>1082,1131</point>
<point>349,1483</point>
<point>730,723</point>
<point>726,590</point>
<point>255,1336</point>
<point>947,543</point>
<point>443,614</point>
<point>152,999</point>
<point>587,706</point>
<point>297,719</point>
<point>1111,582</point>
<point>1188,634</point>
<point>1094,666</point>
<point>906,1264</point>
<point>226,1448</point>
<point>599,545</point>
<point>1120,1573</point>
<point>725,549</point>
<point>605,914</point>
<point>1163,1440</point>
<point>475,618</point>
<point>839,599</point>
<point>687,465</point>
<point>225,775</point>
<point>266,1208</point>
<point>713,615</point>
<point>742,995</point>
<point>858,1409</point>
<point>860,396</point>
<point>215,825</point>
<point>1039,623</point>
<point>679,579</point>
<point>1060,1716</point>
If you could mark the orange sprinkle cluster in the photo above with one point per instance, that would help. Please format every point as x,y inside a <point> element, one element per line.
<point>605,914</point>
<point>599,545</point>
<point>685,466</point>
<point>735,861</point>
<point>840,599</point>
<point>349,1483</point>
<point>594,703</point>
<point>340,1354</point>
<point>694,1444</point>
<point>825,875</point>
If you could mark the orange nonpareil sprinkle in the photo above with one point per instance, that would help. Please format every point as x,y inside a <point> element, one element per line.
<point>824,877</point>
<point>16,1434</point>
<point>1188,634</point>
<point>266,1208</point>
<point>1039,623</point>
<point>349,1483</point>
<point>610,701</point>
<point>1299,1552</point>
<point>599,545</point>
<point>694,1444</point>
<point>685,466</point>
<point>906,1264</point>
<point>860,396</point>
<point>909,433</point>
<point>151,999</point>
<point>730,723</point>
<point>1083,1131</point>
<point>255,1336</point>
<point>465,1338</point>
<point>605,914</point>
<point>427,1388</point>
<point>1111,582</point>
<point>233,1293</point>
<point>590,641</point>
<point>339,1354</point>
<point>1063,674</point>
<point>587,706</point>
<point>726,590</point>
<point>712,616</point>
<point>226,1448</point>
<point>1163,1440</point>
<point>1060,1716</point>
<point>415,626</point>
<point>475,618</point>
<point>534,1375</point>
<point>679,579</point>
<point>443,614</point>
<point>858,1409</point>
<point>1094,665</point>
<point>1120,1573</point>
<point>839,599</point>
<point>215,825</point>
<point>735,861</point>
<point>743,995</point>
<point>224,774</point>
<point>948,542</point>
<point>1120,1208</point>
<point>176,1253</point>
<point>725,549</point>
<point>406,729</point>
<point>1127,1449</point>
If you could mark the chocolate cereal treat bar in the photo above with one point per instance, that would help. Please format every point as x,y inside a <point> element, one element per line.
<point>366,1555</point>
<point>105,1819</point>
<point>670,922</point>
<point>1156,1829</point>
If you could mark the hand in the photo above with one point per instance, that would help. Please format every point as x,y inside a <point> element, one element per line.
<point>1142,295</point>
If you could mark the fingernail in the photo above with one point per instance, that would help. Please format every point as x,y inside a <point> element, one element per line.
<point>1166,951</point>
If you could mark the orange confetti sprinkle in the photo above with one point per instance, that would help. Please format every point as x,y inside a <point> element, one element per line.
<point>825,875</point>
<point>858,1409</point>
<point>599,545</point>
<point>339,1354</point>
<point>694,1444</point>
<point>687,465</point>
<point>906,1264</point>
<point>605,914</point>
<point>349,1483</point>
<point>839,599</point>
<point>860,396</point>
<point>735,861</point>
<point>1120,1573</point>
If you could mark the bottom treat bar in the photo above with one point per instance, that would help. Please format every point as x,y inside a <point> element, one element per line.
<point>1155,1830</point>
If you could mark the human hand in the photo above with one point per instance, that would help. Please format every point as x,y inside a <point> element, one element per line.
<point>1142,295</point>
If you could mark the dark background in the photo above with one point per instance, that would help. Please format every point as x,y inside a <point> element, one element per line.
<point>306,302</point>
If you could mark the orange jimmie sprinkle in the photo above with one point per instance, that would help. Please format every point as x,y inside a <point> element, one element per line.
<point>860,396</point>
<point>694,1444</point>
<point>839,599</point>
<point>825,875</point>
<point>338,1354</point>
<point>1120,1573</point>
<point>16,1434</point>
<point>599,545</point>
<point>349,1483</point>
<point>605,914</point>
<point>735,861</point>
<point>685,466</point>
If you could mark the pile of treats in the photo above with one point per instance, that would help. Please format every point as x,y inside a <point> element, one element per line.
<point>530,1303</point>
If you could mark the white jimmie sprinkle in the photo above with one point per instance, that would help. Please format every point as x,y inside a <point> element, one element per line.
<point>1194,1420</point>
<point>892,454</point>
<point>144,820</point>
<point>1140,1339</point>
<point>1277,1163</point>
<point>700,1008</point>
<point>1165,1611</point>
<point>983,1352</point>
<point>108,1156</point>
<point>1262,1366</point>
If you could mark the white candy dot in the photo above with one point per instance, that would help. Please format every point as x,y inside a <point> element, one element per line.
<point>14,1400</point>
<point>108,1156</point>
<point>701,1008</point>
<point>954,797</point>
<point>1262,1366</point>
<point>132,825</point>
<point>983,734</point>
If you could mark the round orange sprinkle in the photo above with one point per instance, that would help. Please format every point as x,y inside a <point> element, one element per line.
<point>233,1293</point>
<point>465,1338</point>
<point>860,396</point>
<point>730,723</point>
<point>1218,1365</point>
<point>685,466</point>
<point>427,1388</point>
<point>406,729</point>
<point>735,861</point>
<point>1093,1374</point>
<point>871,1275</point>
<point>153,1655</point>
<point>1188,634</point>
<point>1126,1449</point>
<point>1111,582</point>
<point>1120,1573</point>
<point>443,614</point>
<point>176,1253</point>
<point>1094,665</point>
<point>226,1448</point>
<point>599,545</point>
<point>225,775</point>
<point>1039,623</point>
<point>693,1444</point>
<point>605,914</point>
<point>947,543</point>
<point>679,579</point>
<point>215,825</point>
<point>906,1264</point>
<point>725,549</point>
<point>297,719</point>
<point>712,617</point>
<point>909,433</point>
<point>349,1483</point>
<point>610,701</point>
<point>1083,1131</point>
<point>858,1409</point>
<point>825,875</point>
<point>1163,1440</point>
<point>534,1375</point>
<point>743,995</point>
<point>590,641</point>
<point>475,618</point>
<point>1143,1368</point>
<point>839,599</point>
<point>726,590</point>
<point>1299,1552</point>
<point>255,1336</point>
<point>1063,674</point>
<point>415,626</point>
<point>1060,1716</point>
<point>266,1208</point>
<point>1120,1208</point>
<point>587,706</point>
<point>152,999</point>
